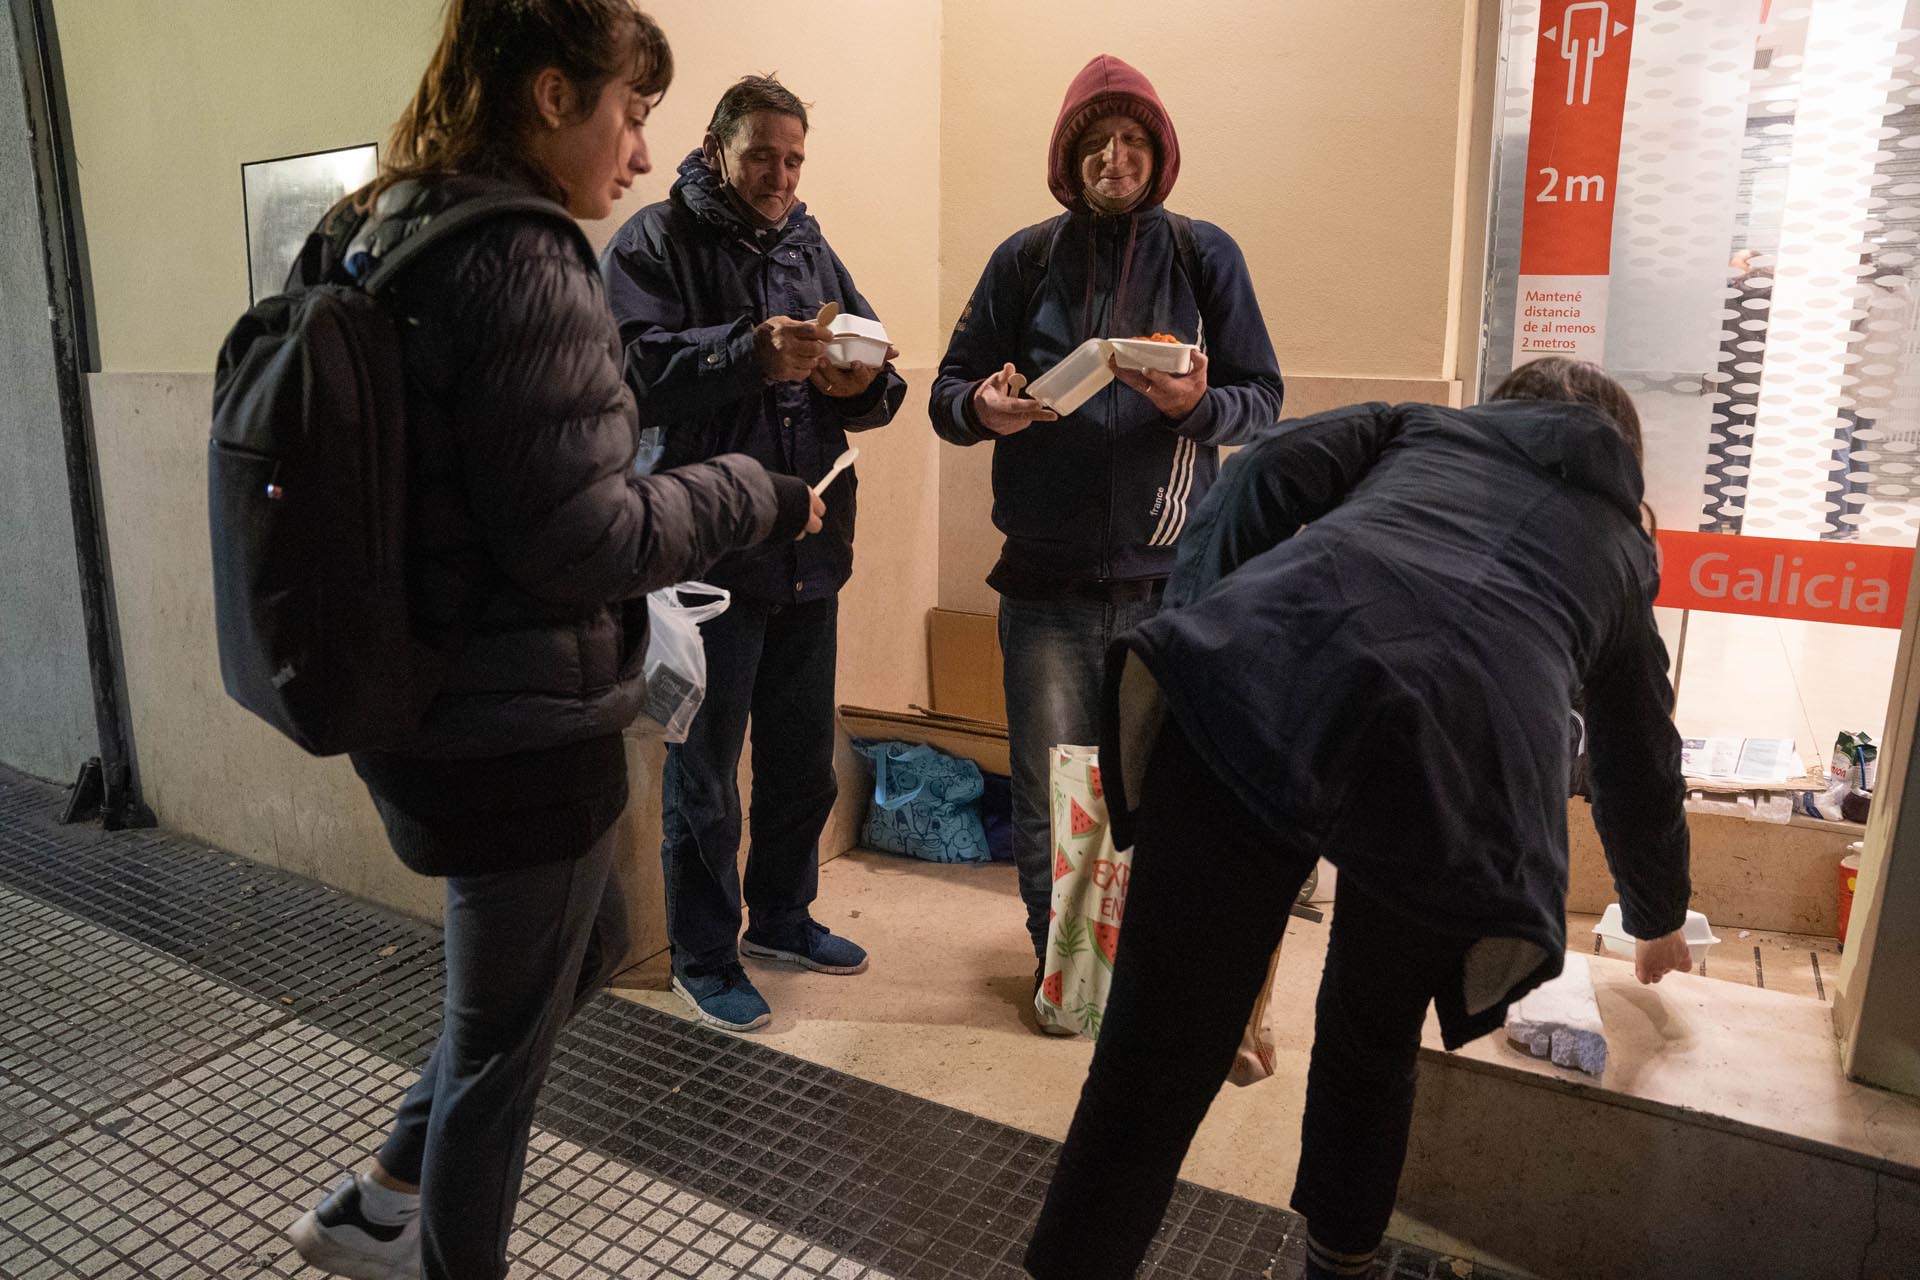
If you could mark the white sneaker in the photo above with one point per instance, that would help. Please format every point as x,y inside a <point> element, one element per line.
<point>338,1237</point>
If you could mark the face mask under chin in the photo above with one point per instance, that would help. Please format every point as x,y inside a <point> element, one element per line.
<point>1100,203</point>
<point>745,207</point>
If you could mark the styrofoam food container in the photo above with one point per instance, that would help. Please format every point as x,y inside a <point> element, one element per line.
<point>1615,938</point>
<point>1139,353</point>
<point>857,340</point>
<point>1076,379</point>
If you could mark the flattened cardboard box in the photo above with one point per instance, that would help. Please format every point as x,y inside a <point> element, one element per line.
<point>964,652</point>
<point>984,744</point>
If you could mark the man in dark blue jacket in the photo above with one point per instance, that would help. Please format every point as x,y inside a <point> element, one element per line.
<point>716,289</point>
<point>1092,504</point>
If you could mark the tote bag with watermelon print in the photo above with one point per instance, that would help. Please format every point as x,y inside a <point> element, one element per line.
<point>1089,896</point>
<point>1090,880</point>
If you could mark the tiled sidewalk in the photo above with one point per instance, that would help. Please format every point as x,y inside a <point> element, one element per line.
<point>192,1047</point>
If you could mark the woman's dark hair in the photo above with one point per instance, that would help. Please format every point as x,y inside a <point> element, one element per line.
<point>748,95</point>
<point>472,108</point>
<point>1578,382</point>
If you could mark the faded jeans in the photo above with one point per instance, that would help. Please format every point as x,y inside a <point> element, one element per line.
<point>772,665</point>
<point>1056,654</point>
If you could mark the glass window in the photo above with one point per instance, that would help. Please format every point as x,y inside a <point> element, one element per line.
<point>1761,299</point>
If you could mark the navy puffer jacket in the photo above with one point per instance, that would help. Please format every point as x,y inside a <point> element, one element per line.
<point>531,543</point>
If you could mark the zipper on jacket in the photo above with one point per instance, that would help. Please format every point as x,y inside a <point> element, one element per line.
<point>1113,496</point>
<point>1112,424</point>
<point>784,436</point>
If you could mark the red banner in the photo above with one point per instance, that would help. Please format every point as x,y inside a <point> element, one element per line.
<point>1580,69</point>
<point>1573,146</point>
<point>1859,584</point>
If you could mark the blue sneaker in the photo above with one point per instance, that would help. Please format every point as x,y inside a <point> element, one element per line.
<point>811,946</point>
<point>726,999</point>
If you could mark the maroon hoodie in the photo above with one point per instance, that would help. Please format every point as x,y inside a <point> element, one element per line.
<point>1106,86</point>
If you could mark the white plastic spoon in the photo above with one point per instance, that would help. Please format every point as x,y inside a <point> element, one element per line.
<point>840,464</point>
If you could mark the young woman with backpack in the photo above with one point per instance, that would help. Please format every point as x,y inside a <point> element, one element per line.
<point>530,548</point>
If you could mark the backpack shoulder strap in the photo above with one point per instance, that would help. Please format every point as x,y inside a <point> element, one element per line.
<point>1188,253</point>
<point>1036,251</point>
<point>444,226</point>
<point>1184,247</point>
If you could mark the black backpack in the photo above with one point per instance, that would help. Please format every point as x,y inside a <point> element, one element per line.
<point>306,499</point>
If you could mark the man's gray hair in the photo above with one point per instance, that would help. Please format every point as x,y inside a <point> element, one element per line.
<point>748,95</point>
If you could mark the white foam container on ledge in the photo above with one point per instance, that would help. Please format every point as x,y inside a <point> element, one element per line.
<point>857,340</point>
<point>1076,379</point>
<point>1144,353</point>
<point>1614,937</point>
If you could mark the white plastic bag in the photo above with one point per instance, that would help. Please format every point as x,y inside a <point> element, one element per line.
<point>676,663</point>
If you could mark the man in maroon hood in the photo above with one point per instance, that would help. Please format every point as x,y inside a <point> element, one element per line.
<point>1092,502</point>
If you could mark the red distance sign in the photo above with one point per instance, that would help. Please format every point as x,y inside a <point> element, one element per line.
<point>1573,147</point>
<point>1863,585</point>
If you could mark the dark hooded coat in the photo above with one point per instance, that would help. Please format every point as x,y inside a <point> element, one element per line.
<point>688,281</point>
<point>1378,624</point>
<point>1104,493</point>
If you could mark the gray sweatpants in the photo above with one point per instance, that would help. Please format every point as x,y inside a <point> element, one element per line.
<point>525,949</point>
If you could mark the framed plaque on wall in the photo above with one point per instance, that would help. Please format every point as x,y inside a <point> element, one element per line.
<point>286,197</point>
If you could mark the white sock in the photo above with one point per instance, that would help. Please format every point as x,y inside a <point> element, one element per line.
<point>385,1205</point>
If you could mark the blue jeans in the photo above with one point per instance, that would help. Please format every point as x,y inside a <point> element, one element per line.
<point>775,665</point>
<point>1056,656</point>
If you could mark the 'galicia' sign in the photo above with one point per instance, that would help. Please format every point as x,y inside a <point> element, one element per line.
<point>1861,584</point>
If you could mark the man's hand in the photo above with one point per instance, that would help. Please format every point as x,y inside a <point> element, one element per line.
<point>816,511</point>
<point>788,350</point>
<point>1174,394</point>
<point>844,384</point>
<point>1001,408</point>
<point>1655,958</point>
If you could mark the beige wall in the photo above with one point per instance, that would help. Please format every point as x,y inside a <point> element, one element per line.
<point>1326,142</point>
<point>168,100</point>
